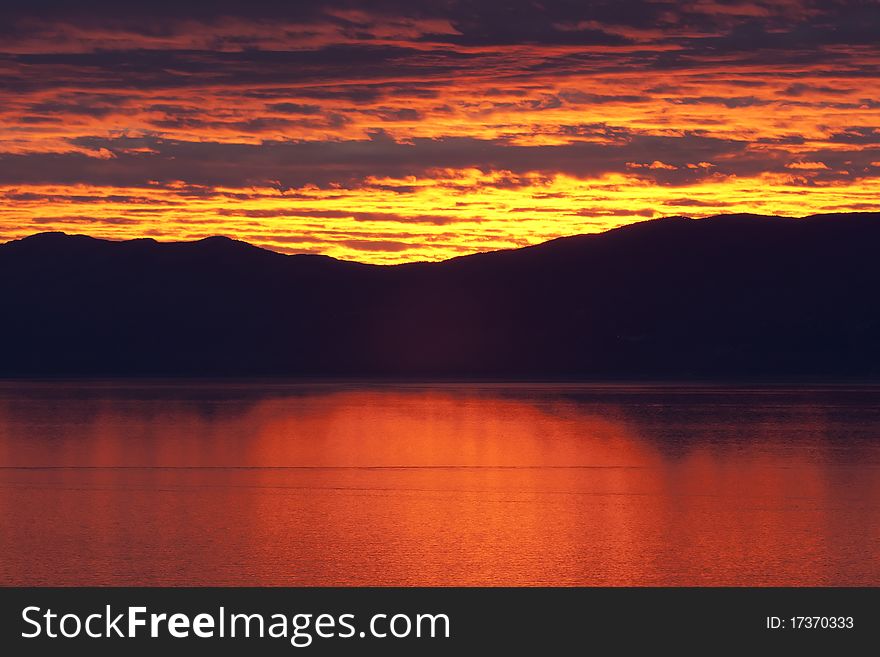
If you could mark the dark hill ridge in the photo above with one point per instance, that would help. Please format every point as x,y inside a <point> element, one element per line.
<point>727,296</point>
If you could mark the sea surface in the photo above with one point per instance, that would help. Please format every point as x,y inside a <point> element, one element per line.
<point>272,483</point>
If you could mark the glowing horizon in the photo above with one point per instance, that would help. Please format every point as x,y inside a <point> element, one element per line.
<point>286,251</point>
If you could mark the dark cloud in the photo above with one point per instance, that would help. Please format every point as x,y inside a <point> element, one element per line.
<point>729,102</point>
<point>255,125</point>
<point>33,197</point>
<point>437,220</point>
<point>170,68</point>
<point>394,113</point>
<point>294,108</point>
<point>791,140</point>
<point>501,31</point>
<point>696,203</point>
<point>292,164</point>
<point>606,212</point>
<point>378,245</point>
<point>62,108</point>
<point>577,97</point>
<point>81,219</point>
<point>799,89</point>
<point>857,135</point>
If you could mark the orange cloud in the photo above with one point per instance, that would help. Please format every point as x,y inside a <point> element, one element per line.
<point>414,131</point>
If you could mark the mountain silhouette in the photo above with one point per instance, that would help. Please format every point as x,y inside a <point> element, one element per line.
<point>725,296</point>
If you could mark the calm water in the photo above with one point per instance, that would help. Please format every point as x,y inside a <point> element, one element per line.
<point>246,484</point>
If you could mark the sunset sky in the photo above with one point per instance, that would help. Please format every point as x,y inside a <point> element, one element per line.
<point>425,129</point>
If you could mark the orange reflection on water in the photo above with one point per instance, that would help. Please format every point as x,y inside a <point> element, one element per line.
<point>437,485</point>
